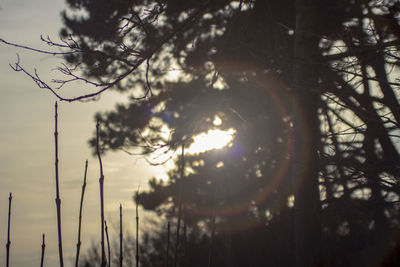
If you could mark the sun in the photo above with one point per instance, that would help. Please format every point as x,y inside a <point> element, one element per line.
<point>212,139</point>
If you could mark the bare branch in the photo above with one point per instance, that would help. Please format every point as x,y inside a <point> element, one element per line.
<point>133,66</point>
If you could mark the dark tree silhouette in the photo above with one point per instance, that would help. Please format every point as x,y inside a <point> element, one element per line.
<point>311,91</point>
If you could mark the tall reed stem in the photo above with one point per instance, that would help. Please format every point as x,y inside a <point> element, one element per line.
<point>214,211</point>
<point>58,200</point>
<point>137,232</point>
<point>179,206</point>
<point>43,248</point>
<point>210,253</point>
<point>78,245</point>
<point>168,244</point>
<point>101,182</point>
<point>184,241</point>
<point>120,236</point>
<point>108,245</point>
<point>8,232</point>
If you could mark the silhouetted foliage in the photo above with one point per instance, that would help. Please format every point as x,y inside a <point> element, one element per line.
<point>235,61</point>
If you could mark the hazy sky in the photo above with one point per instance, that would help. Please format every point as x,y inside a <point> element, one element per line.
<point>27,148</point>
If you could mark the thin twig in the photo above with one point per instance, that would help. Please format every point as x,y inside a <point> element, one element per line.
<point>210,253</point>
<point>179,206</point>
<point>184,241</point>
<point>108,245</point>
<point>43,248</point>
<point>58,200</point>
<point>78,245</point>
<point>168,242</point>
<point>38,50</point>
<point>120,236</point>
<point>147,77</point>
<point>104,86</point>
<point>213,215</point>
<point>137,231</point>
<point>101,182</point>
<point>8,231</point>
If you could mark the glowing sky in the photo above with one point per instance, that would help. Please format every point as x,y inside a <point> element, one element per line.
<point>212,139</point>
<point>27,148</point>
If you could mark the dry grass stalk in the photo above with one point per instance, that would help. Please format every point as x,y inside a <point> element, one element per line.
<point>179,206</point>
<point>58,200</point>
<point>43,248</point>
<point>184,241</point>
<point>78,245</point>
<point>210,253</point>
<point>120,236</point>
<point>8,232</point>
<point>137,231</point>
<point>168,244</point>
<point>101,182</point>
<point>108,244</point>
<point>214,204</point>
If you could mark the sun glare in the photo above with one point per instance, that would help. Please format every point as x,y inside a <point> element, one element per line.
<point>217,121</point>
<point>213,139</point>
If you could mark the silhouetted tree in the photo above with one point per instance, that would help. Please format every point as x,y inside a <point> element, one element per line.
<point>307,84</point>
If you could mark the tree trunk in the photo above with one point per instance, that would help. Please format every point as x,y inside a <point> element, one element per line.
<point>306,134</point>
